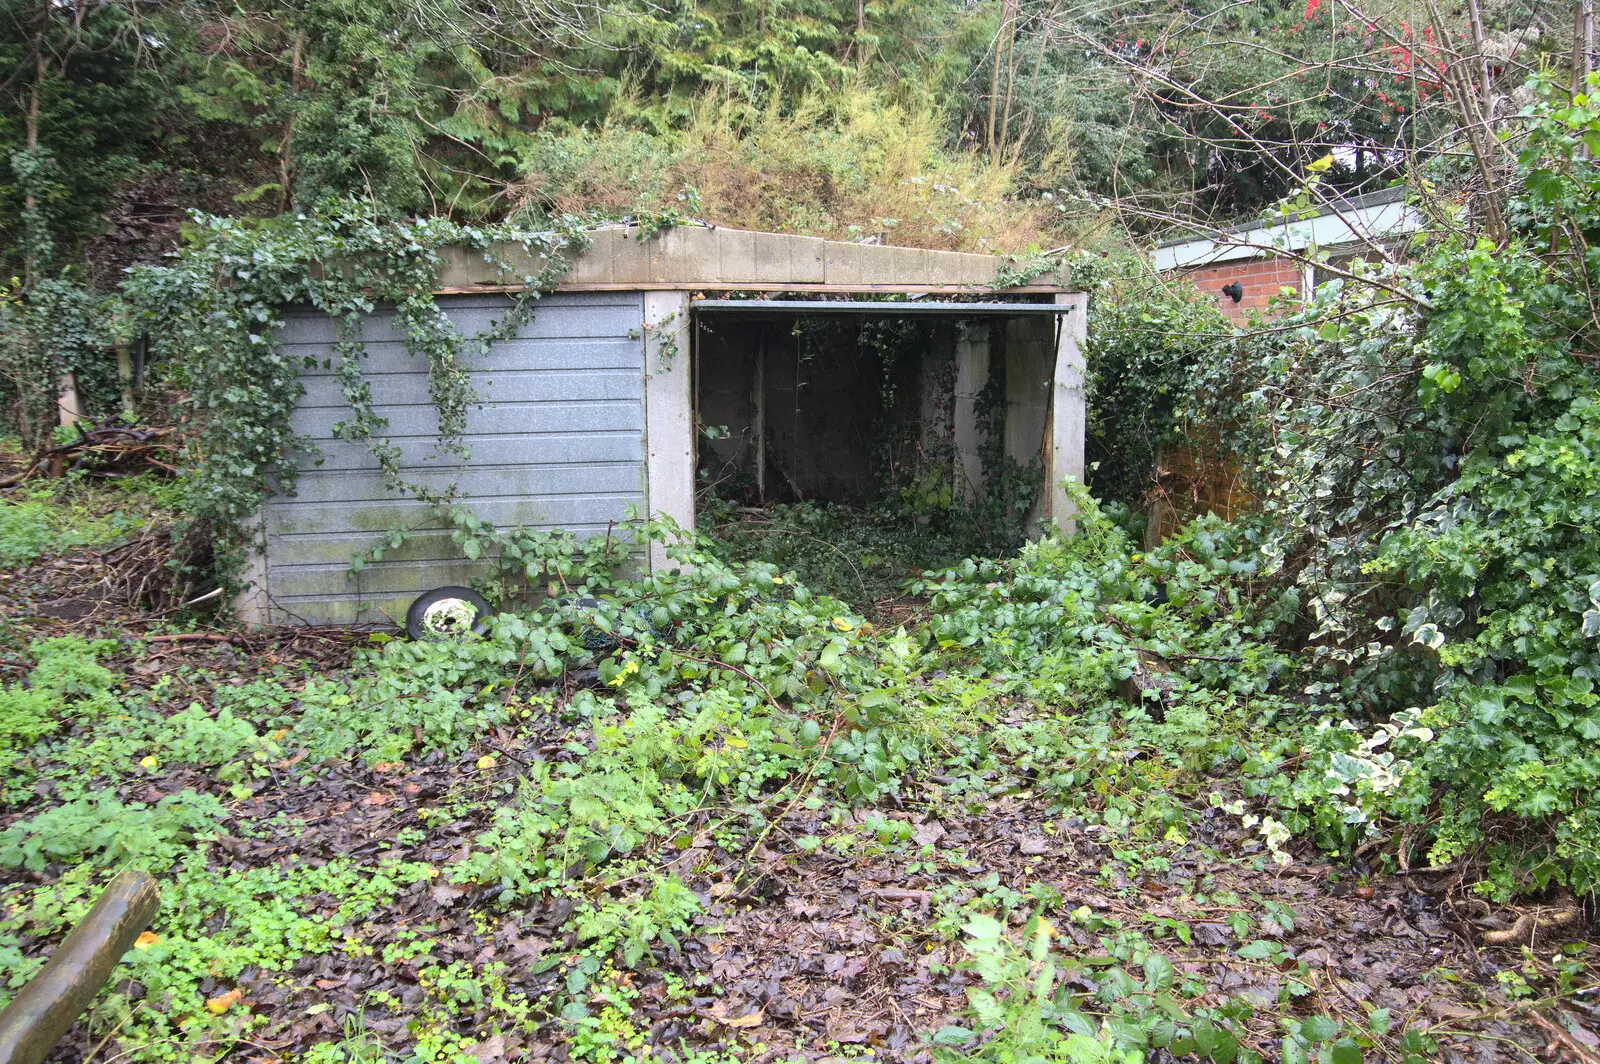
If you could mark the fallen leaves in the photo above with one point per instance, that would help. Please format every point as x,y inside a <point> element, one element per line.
<point>719,1012</point>
<point>220,1004</point>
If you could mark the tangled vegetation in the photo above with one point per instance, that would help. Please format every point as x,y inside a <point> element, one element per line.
<point>1067,800</point>
<point>721,704</point>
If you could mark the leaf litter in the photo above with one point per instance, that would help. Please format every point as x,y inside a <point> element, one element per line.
<point>842,932</point>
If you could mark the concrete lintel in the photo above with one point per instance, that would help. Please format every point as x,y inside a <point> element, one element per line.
<point>737,256</point>
<point>1068,409</point>
<point>630,256</point>
<point>597,263</point>
<point>808,260</point>
<point>684,252</point>
<point>669,413</point>
<point>776,288</point>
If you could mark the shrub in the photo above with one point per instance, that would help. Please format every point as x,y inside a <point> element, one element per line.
<point>1431,442</point>
<point>844,167</point>
<point>59,516</point>
<point>104,830</point>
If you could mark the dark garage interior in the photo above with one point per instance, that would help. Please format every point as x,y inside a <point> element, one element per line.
<point>839,402</point>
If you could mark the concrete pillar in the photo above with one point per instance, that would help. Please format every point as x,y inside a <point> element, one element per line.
<point>1068,407</point>
<point>1030,366</point>
<point>972,373</point>
<point>251,606</point>
<point>668,413</point>
<point>936,390</point>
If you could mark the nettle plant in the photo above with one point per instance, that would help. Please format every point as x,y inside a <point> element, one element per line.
<point>215,314</point>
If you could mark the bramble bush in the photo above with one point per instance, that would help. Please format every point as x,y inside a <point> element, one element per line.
<point>1428,448</point>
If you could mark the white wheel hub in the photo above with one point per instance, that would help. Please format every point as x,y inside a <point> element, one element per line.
<point>450,616</point>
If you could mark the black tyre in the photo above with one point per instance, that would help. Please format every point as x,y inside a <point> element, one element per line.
<point>448,613</point>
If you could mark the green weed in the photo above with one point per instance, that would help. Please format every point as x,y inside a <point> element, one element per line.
<point>54,517</point>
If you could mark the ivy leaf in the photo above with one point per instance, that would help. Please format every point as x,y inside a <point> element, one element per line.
<point>1429,636</point>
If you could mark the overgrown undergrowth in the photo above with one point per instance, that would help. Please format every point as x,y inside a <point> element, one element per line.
<point>57,516</point>
<point>448,851</point>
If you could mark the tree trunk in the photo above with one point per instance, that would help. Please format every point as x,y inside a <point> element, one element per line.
<point>1011,84</point>
<point>30,201</point>
<point>285,156</point>
<point>1582,45</point>
<point>994,75</point>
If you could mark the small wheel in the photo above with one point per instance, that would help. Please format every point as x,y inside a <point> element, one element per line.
<point>592,638</point>
<point>448,613</point>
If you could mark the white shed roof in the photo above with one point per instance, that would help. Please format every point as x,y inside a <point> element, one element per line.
<point>1378,216</point>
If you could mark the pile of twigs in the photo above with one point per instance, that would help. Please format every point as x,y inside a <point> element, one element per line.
<point>107,448</point>
<point>158,570</point>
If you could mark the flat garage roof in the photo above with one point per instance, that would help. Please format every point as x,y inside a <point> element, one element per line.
<point>898,307</point>
<point>696,258</point>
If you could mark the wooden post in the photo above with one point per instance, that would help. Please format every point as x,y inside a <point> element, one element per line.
<point>125,375</point>
<point>43,1010</point>
<point>69,411</point>
<point>69,406</point>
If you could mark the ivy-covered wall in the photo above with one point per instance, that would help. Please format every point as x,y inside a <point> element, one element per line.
<point>554,440</point>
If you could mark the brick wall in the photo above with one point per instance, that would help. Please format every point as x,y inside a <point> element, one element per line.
<point>1194,477</point>
<point>1261,279</point>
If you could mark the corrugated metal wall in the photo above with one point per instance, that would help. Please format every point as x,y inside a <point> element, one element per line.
<point>557,442</point>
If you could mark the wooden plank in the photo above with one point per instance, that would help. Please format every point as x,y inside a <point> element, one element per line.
<point>432,545</point>
<point>477,481</point>
<point>609,317</point>
<point>386,357</point>
<point>495,387</point>
<point>560,511</point>
<point>421,453</point>
<point>499,419</point>
<point>47,1006</point>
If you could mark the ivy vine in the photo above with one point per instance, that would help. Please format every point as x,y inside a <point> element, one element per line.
<point>215,313</point>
